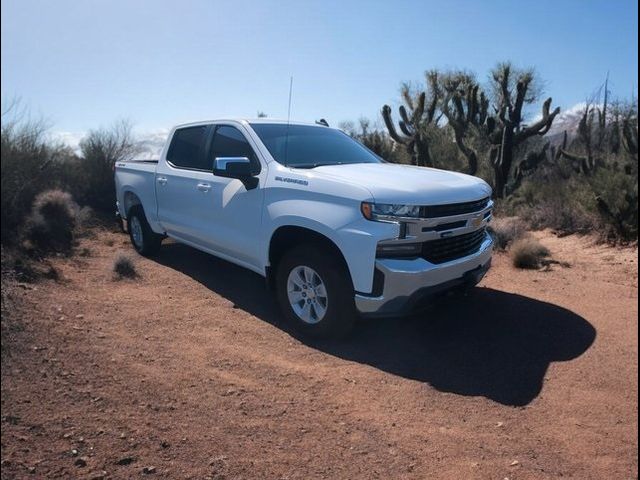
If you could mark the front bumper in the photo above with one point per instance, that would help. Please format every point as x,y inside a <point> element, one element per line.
<point>406,282</point>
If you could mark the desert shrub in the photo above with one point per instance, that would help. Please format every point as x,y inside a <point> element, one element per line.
<point>50,226</point>
<point>528,253</point>
<point>548,200</point>
<point>30,163</point>
<point>616,195</point>
<point>124,266</point>
<point>507,230</point>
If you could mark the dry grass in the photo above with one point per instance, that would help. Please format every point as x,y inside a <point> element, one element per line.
<point>528,253</point>
<point>124,267</point>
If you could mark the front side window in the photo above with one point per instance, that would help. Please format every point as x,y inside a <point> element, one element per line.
<point>230,142</point>
<point>306,146</point>
<point>186,149</point>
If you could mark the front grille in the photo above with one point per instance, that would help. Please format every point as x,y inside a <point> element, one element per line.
<point>451,209</point>
<point>447,249</point>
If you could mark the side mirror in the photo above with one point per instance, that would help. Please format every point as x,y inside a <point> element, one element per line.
<point>235,167</point>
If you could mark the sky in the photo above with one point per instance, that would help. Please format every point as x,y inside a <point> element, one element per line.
<point>86,63</point>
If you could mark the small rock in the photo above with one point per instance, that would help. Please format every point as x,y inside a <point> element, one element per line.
<point>149,470</point>
<point>31,469</point>
<point>79,316</point>
<point>500,424</point>
<point>11,419</point>
<point>98,475</point>
<point>126,461</point>
<point>515,463</point>
<point>74,452</point>
<point>81,462</point>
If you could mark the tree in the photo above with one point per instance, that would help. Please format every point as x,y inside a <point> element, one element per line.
<point>100,150</point>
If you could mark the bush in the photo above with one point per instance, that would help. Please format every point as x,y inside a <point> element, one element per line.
<point>92,174</point>
<point>124,266</point>
<point>528,253</point>
<point>50,226</point>
<point>507,230</point>
<point>30,164</point>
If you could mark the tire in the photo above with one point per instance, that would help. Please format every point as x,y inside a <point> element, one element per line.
<point>145,241</point>
<point>301,299</point>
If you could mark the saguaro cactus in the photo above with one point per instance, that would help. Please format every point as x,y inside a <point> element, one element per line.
<point>414,121</point>
<point>509,110</point>
<point>466,107</point>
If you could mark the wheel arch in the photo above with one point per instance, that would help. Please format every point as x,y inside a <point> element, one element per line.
<point>131,200</point>
<point>288,236</point>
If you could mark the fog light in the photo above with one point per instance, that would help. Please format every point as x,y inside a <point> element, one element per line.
<point>398,250</point>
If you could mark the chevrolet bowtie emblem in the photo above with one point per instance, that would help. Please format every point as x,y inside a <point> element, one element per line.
<point>476,221</point>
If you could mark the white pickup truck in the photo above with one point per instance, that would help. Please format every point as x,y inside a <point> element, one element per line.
<point>334,229</point>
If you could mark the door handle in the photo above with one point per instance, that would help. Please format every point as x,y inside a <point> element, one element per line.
<point>203,187</point>
<point>162,180</point>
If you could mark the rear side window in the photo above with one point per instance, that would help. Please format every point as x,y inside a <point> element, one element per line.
<point>230,142</point>
<point>186,149</point>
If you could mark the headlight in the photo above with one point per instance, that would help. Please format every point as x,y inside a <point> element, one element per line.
<point>388,212</point>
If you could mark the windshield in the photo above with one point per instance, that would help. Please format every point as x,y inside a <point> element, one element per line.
<point>308,146</point>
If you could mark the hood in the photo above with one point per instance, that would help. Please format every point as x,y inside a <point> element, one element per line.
<point>408,184</point>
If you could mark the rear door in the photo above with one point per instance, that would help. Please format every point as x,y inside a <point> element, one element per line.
<point>184,183</point>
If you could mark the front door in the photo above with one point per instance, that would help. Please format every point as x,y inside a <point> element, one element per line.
<point>234,219</point>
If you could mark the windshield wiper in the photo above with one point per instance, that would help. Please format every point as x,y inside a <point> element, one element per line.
<point>314,165</point>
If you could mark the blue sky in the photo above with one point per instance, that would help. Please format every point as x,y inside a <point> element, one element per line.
<point>85,63</point>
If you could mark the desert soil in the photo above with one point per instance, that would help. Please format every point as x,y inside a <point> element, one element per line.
<point>190,372</point>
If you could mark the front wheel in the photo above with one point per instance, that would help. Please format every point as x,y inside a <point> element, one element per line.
<point>315,292</point>
<point>144,240</point>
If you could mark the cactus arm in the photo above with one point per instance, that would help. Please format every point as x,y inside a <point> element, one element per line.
<point>542,126</point>
<point>388,121</point>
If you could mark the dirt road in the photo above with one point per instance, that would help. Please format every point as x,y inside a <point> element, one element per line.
<point>190,373</point>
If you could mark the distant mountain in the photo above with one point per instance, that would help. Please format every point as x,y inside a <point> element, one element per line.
<point>568,120</point>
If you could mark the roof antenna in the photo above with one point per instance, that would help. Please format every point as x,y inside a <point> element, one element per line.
<point>286,140</point>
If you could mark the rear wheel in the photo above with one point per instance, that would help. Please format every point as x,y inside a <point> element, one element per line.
<point>315,292</point>
<point>144,240</point>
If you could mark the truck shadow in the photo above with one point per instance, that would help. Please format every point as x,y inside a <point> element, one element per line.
<point>492,343</point>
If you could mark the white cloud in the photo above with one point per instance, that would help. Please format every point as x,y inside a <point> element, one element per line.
<point>151,141</point>
<point>71,139</point>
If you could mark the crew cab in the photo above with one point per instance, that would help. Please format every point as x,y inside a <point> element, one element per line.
<point>336,230</point>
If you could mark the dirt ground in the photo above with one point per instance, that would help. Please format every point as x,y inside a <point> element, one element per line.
<point>189,372</point>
